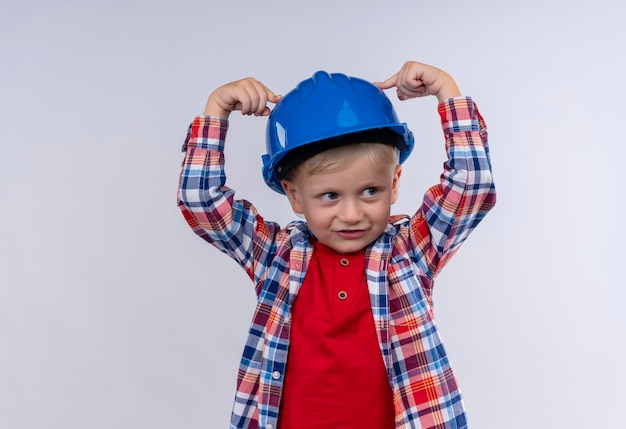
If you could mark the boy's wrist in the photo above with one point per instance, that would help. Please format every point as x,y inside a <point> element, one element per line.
<point>215,110</point>
<point>448,90</point>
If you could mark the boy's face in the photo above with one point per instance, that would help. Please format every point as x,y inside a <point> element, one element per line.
<point>348,208</point>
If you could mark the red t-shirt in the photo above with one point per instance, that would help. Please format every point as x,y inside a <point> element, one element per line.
<point>335,375</point>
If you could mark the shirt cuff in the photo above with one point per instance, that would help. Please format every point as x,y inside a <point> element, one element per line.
<point>459,114</point>
<point>206,132</point>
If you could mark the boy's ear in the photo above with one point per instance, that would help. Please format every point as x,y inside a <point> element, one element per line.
<point>396,183</point>
<point>292,194</point>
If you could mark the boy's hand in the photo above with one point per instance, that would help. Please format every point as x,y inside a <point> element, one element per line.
<point>418,80</point>
<point>246,95</point>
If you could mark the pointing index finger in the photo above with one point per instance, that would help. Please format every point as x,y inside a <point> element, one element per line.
<point>389,83</point>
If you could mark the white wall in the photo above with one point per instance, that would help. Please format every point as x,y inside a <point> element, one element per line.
<point>114,315</point>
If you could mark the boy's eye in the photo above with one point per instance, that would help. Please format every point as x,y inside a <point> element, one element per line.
<point>370,192</point>
<point>329,196</point>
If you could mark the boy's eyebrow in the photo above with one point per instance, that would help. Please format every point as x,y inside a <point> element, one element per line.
<point>327,188</point>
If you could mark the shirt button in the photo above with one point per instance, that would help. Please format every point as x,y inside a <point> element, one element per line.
<point>269,426</point>
<point>276,375</point>
<point>344,262</point>
<point>342,295</point>
<point>287,319</point>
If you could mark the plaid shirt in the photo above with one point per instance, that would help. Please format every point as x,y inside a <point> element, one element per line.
<point>400,267</point>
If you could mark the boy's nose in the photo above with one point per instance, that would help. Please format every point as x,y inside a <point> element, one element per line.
<point>351,212</point>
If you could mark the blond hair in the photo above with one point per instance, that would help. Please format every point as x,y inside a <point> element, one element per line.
<point>339,157</point>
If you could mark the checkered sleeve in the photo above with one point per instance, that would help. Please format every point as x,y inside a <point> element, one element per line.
<point>454,207</point>
<point>210,207</point>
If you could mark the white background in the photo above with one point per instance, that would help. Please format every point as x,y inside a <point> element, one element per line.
<point>114,315</point>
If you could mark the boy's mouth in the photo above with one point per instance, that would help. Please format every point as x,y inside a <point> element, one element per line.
<point>351,233</point>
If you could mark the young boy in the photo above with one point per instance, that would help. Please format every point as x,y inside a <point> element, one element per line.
<point>343,335</point>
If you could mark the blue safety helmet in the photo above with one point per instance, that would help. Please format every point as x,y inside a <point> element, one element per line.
<point>325,111</point>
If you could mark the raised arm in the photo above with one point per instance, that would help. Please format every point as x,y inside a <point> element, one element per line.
<point>208,205</point>
<point>465,193</point>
